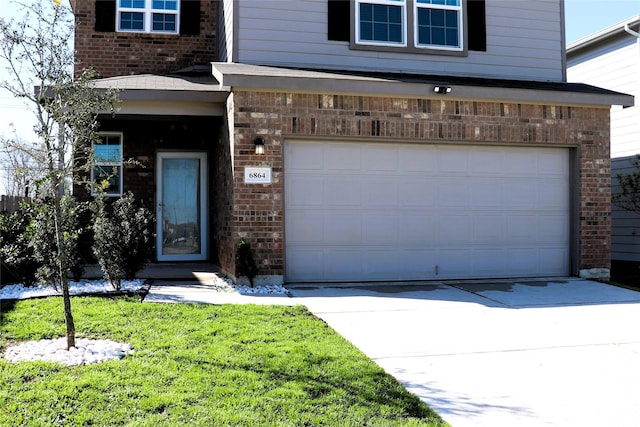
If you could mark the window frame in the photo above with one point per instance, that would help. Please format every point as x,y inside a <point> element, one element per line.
<point>108,164</point>
<point>461,33</point>
<point>148,12</point>
<point>402,4</point>
<point>410,29</point>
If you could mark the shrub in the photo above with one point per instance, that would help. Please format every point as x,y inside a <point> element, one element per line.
<point>245,263</point>
<point>16,254</point>
<point>44,241</point>
<point>123,238</point>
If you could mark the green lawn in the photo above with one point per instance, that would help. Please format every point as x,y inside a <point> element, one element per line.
<point>198,365</point>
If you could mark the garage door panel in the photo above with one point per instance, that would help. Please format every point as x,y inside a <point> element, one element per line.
<point>418,159</point>
<point>418,230</point>
<point>402,211</point>
<point>551,194</point>
<point>308,157</point>
<point>305,228</point>
<point>342,157</point>
<point>305,191</point>
<point>489,230</point>
<point>414,193</point>
<point>553,260</point>
<point>452,262</point>
<point>342,228</point>
<point>452,192</point>
<point>342,192</point>
<point>552,161</point>
<point>381,230</point>
<point>452,160</point>
<point>522,261</point>
<point>346,263</point>
<point>520,194</point>
<point>488,262</point>
<point>453,230</point>
<point>379,193</point>
<point>380,158</point>
<point>551,228</point>
<point>313,260</point>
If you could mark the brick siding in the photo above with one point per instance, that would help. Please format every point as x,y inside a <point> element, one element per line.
<point>258,210</point>
<point>118,54</point>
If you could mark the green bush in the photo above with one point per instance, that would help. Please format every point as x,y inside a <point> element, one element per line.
<point>44,242</point>
<point>16,253</point>
<point>245,263</point>
<point>123,238</point>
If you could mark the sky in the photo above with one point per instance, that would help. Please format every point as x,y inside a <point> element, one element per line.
<point>582,18</point>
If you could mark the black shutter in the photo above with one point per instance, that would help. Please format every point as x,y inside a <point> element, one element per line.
<point>106,15</point>
<point>190,17</point>
<point>339,20</point>
<point>476,25</point>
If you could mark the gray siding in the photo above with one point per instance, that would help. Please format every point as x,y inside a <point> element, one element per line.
<point>614,66</point>
<point>524,41</point>
<point>625,231</point>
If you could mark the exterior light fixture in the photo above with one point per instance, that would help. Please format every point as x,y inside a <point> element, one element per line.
<point>443,90</point>
<point>259,143</point>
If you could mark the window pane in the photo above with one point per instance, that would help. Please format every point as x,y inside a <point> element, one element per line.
<point>165,4</point>
<point>164,22</point>
<point>107,153</point>
<point>381,23</point>
<point>131,21</point>
<point>438,27</point>
<point>441,2</point>
<point>136,4</point>
<point>107,178</point>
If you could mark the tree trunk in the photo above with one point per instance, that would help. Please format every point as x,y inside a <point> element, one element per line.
<point>68,316</point>
<point>62,274</point>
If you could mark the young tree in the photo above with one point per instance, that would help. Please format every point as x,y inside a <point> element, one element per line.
<point>37,53</point>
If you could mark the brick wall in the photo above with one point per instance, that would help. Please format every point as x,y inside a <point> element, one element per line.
<point>115,54</point>
<point>258,210</point>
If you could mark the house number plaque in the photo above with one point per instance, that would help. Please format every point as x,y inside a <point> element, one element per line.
<point>257,175</point>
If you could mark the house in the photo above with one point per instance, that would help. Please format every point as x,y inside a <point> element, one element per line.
<point>356,140</point>
<point>610,59</point>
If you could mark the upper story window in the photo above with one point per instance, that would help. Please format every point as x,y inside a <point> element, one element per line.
<point>450,27</point>
<point>148,16</point>
<point>435,24</point>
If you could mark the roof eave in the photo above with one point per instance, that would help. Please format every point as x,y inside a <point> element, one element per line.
<point>322,82</point>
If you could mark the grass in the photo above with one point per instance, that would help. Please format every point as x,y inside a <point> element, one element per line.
<point>198,365</point>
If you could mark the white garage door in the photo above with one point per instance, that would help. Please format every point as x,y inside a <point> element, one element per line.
<point>367,212</point>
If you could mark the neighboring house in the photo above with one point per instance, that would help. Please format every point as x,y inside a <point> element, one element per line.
<point>357,140</point>
<point>611,59</point>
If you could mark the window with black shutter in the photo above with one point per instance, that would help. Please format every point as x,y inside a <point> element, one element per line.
<point>409,24</point>
<point>148,16</point>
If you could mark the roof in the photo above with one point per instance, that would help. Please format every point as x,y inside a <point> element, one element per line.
<point>604,35</point>
<point>191,87</point>
<point>256,77</point>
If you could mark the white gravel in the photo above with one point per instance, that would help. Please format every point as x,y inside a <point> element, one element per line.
<point>85,352</point>
<point>19,291</point>
<point>94,351</point>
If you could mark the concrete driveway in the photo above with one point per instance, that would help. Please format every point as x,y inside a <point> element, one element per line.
<point>558,352</point>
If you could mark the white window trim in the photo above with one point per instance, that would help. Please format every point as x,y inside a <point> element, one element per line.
<point>410,29</point>
<point>148,12</point>
<point>402,4</point>
<point>119,164</point>
<point>459,9</point>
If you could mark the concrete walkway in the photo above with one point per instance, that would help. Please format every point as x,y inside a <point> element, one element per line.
<point>560,352</point>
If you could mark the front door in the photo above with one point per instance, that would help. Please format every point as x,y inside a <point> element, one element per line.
<point>182,206</point>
